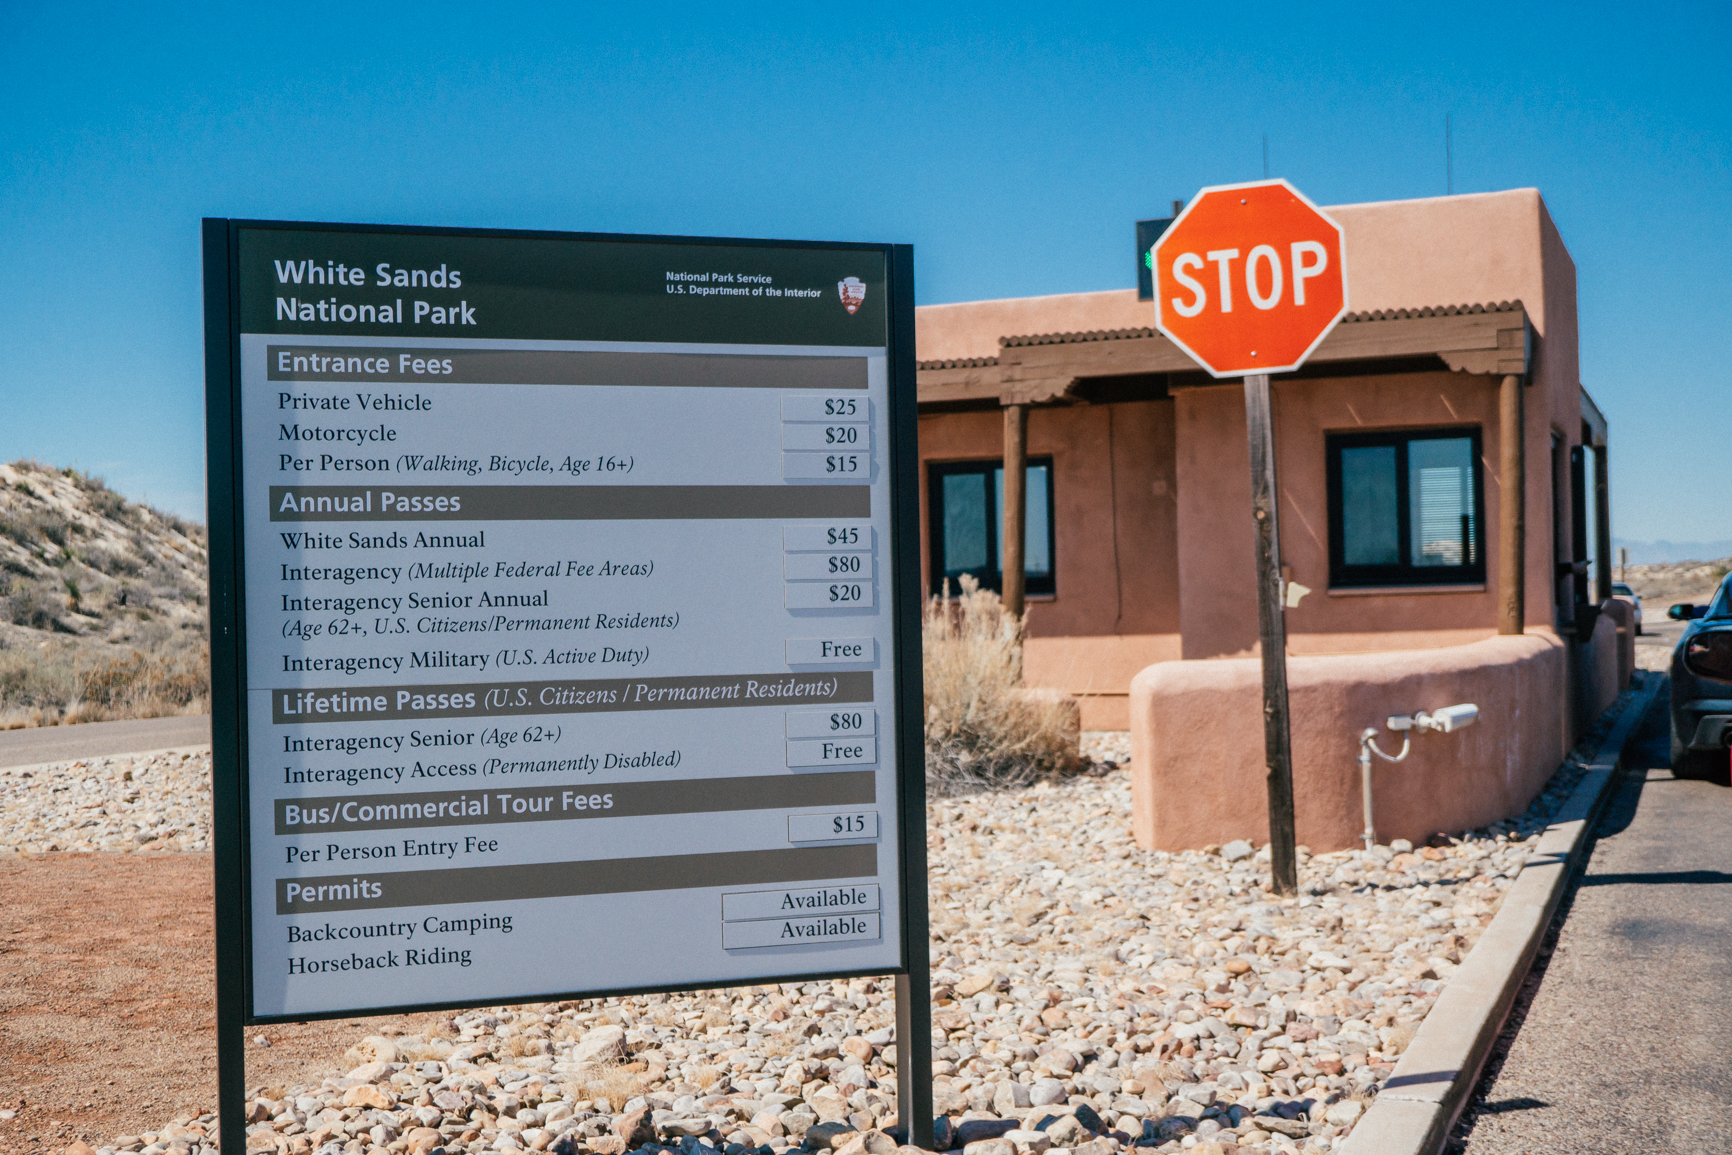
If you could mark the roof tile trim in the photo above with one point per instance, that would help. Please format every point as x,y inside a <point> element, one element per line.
<point>1433,311</point>
<point>960,362</point>
<point>1132,334</point>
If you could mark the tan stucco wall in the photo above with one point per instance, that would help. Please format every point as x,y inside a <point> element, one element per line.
<point>1195,597</point>
<point>1216,563</point>
<point>1401,254</point>
<point>1473,249</point>
<point>1623,617</point>
<point>972,328</point>
<point>1198,771</point>
<point>1116,606</point>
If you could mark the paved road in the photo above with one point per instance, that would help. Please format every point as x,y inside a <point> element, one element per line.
<point>1622,1040</point>
<point>1658,638</point>
<point>95,739</point>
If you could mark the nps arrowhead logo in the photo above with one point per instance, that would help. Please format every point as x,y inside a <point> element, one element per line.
<point>853,293</point>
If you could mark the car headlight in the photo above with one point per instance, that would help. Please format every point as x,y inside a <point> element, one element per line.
<point>1709,655</point>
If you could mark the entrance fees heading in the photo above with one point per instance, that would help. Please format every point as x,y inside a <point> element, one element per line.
<point>625,582</point>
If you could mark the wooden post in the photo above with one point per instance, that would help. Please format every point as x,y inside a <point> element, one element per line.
<point>1272,633</point>
<point>1512,508</point>
<point>1015,507</point>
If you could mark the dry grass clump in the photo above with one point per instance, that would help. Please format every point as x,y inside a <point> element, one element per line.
<point>610,1081</point>
<point>983,729</point>
<point>69,681</point>
<point>782,1043</point>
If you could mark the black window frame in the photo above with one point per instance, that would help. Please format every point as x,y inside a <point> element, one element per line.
<point>991,577</point>
<point>1404,573</point>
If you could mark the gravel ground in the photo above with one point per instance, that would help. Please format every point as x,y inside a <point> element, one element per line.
<point>1088,995</point>
<point>154,801</point>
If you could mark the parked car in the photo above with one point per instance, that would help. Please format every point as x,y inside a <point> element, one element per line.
<point>1702,687</point>
<point>1625,594</point>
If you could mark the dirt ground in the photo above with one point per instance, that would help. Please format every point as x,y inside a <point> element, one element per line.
<point>107,1011</point>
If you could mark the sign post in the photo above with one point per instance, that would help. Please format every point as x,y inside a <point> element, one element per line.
<point>565,615</point>
<point>1249,279</point>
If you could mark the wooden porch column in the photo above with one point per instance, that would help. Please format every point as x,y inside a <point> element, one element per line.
<point>1512,508</point>
<point>1015,506</point>
<point>1602,525</point>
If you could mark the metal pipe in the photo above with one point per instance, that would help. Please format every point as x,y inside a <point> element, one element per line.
<point>1370,835</point>
<point>1368,747</point>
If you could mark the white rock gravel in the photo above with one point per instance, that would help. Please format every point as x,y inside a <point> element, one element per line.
<point>1088,996</point>
<point>128,802</point>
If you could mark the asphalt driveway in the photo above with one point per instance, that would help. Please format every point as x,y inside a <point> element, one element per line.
<point>1622,1038</point>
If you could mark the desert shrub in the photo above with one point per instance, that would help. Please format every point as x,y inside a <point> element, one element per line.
<point>31,527</point>
<point>983,729</point>
<point>102,500</point>
<point>51,526</point>
<point>111,563</point>
<point>36,604</point>
<point>139,683</point>
<point>72,680</point>
<point>33,681</point>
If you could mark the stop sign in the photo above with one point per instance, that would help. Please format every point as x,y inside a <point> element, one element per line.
<point>1249,278</point>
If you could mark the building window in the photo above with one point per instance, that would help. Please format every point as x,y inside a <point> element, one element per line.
<point>1406,508</point>
<point>967,519</point>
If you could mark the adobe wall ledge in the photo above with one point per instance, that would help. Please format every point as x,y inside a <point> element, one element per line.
<point>1420,1102</point>
<point>1197,739</point>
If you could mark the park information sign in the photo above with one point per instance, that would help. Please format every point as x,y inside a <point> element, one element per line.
<point>566,603</point>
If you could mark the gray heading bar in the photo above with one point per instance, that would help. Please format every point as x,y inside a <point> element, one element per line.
<point>313,363</point>
<point>338,815</point>
<point>572,879</point>
<point>566,502</point>
<point>588,696</point>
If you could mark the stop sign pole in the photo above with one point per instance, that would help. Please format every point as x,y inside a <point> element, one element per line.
<point>1272,636</point>
<point>1249,279</point>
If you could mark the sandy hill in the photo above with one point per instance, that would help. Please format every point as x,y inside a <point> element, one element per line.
<point>1662,583</point>
<point>102,603</point>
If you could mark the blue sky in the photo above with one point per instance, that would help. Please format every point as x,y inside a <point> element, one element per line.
<point>1012,145</point>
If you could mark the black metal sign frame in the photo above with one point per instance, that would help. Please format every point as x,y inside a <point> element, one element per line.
<point>228,583</point>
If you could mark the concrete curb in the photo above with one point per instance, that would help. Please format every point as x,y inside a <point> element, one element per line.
<point>1418,1106</point>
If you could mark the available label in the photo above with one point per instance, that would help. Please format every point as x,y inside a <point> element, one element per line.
<point>799,931</point>
<point>758,904</point>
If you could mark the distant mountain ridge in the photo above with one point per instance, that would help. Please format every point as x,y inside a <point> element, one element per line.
<point>1664,552</point>
<point>102,602</point>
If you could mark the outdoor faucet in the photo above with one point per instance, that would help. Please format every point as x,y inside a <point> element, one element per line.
<point>1444,721</point>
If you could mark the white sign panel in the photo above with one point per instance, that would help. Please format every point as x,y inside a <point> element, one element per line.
<point>569,618</point>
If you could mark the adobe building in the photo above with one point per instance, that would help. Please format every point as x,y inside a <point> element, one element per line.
<point>1417,577</point>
